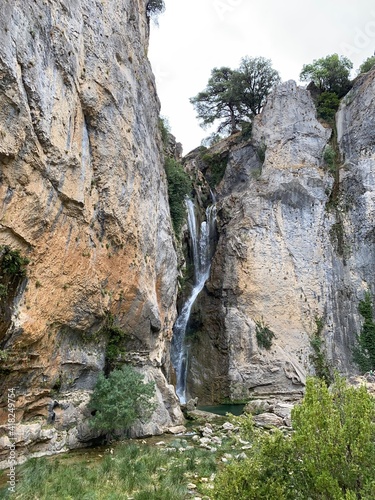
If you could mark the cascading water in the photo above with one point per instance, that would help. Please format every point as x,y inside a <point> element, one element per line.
<point>202,252</point>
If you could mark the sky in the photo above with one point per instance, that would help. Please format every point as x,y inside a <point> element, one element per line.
<point>195,36</point>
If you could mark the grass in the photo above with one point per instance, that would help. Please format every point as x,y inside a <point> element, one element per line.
<point>134,470</point>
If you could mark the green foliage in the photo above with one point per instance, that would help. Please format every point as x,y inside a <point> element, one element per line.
<point>115,336</point>
<point>4,355</point>
<point>330,158</point>
<point>254,81</point>
<point>232,97</point>
<point>364,352</point>
<point>330,454</point>
<point>217,163</point>
<point>264,334</point>
<point>164,130</point>
<point>261,152</point>
<point>131,470</point>
<point>327,105</point>
<point>330,74</point>
<point>179,186</point>
<point>120,400</point>
<point>12,262</point>
<point>367,65</point>
<point>318,358</point>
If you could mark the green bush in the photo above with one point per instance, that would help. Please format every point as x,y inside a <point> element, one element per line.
<point>330,454</point>
<point>12,262</point>
<point>264,335</point>
<point>216,163</point>
<point>179,186</point>
<point>164,130</point>
<point>121,399</point>
<point>318,358</point>
<point>364,351</point>
<point>367,65</point>
<point>327,105</point>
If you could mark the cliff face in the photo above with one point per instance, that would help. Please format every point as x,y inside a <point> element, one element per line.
<point>296,248</point>
<point>83,196</point>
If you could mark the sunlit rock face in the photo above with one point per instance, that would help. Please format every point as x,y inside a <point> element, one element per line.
<point>83,195</point>
<point>296,249</point>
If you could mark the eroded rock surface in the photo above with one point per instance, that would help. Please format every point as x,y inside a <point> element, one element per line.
<point>83,196</point>
<point>295,253</point>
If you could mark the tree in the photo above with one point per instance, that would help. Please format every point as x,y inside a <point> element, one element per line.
<point>330,74</point>
<point>119,400</point>
<point>256,79</point>
<point>367,65</point>
<point>220,101</point>
<point>235,96</point>
<point>330,454</point>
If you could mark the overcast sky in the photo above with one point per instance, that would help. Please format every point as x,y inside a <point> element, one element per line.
<point>195,36</point>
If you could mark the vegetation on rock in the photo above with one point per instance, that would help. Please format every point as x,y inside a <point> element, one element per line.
<point>179,186</point>
<point>367,65</point>
<point>318,357</point>
<point>364,351</point>
<point>121,399</point>
<point>233,97</point>
<point>330,454</point>
<point>327,105</point>
<point>330,74</point>
<point>217,163</point>
<point>12,262</point>
<point>264,334</point>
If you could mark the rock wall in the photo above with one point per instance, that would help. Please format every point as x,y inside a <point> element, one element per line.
<point>83,195</point>
<point>296,248</point>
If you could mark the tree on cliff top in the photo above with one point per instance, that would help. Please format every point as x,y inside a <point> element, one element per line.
<point>234,96</point>
<point>330,74</point>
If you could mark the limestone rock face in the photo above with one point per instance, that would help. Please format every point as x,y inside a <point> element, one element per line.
<point>295,246</point>
<point>83,196</point>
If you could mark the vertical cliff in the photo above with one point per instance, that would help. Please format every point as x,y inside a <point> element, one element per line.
<point>296,249</point>
<point>83,195</point>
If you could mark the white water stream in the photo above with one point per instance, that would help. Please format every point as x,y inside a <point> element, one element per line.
<point>202,252</point>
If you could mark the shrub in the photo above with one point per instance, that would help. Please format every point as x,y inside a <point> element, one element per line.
<point>367,65</point>
<point>217,164</point>
<point>330,454</point>
<point>12,262</point>
<point>327,105</point>
<point>164,130</point>
<point>318,358</point>
<point>264,334</point>
<point>179,186</point>
<point>121,399</point>
<point>364,352</point>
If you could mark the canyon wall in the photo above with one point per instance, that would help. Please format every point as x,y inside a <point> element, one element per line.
<point>83,196</point>
<point>296,249</point>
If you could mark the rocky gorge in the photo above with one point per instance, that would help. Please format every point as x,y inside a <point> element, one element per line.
<point>84,198</point>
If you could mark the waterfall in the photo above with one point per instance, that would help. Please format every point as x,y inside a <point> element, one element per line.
<point>202,253</point>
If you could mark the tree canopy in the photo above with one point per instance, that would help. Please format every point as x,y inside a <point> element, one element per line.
<point>330,74</point>
<point>368,64</point>
<point>120,400</point>
<point>232,97</point>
